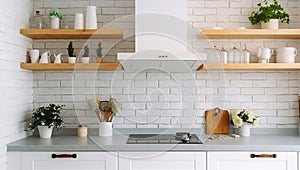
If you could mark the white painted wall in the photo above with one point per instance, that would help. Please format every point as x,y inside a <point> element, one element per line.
<point>159,100</point>
<point>16,84</point>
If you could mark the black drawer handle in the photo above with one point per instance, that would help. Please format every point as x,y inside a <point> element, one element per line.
<point>64,156</point>
<point>263,156</point>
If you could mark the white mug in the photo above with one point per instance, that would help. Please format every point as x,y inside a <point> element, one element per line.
<point>34,55</point>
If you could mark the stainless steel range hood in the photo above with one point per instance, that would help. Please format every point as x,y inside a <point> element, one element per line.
<point>161,38</point>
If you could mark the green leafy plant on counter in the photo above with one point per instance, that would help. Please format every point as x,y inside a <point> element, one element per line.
<point>71,51</point>
<point>86,52</point>
<point>47,116</point>
<point>55,13</point>
<point>268,11</point>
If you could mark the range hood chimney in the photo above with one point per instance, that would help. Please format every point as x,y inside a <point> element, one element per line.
<point>161,38</point>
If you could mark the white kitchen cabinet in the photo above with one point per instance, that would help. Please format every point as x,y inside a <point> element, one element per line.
<point>251,160</point>
<point>64,161</point>
<point>162,161</point>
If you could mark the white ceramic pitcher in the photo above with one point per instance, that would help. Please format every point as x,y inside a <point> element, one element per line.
<point>264,54</point>
<point>45,58</point>
<point>57,58</point>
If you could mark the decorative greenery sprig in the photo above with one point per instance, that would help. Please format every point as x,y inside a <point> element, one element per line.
<point>71,51</point>
<point>99,50</point>
<point>86,51</point>
<point>47,116</point>
<point>268,11</point>
<point>55,13</point>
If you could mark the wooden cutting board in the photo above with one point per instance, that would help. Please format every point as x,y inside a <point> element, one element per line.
<point>217,121</point>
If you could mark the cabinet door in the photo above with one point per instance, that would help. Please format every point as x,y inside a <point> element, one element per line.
<point>252,160</point>
<point>162,161</point>
<point>69,161</point>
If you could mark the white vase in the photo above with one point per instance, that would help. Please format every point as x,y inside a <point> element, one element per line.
<point>55,23</point>
<point>72,59</point>
<point>45,131</point>
<point>244,130</point>
<point>78,23</point>
<point>85,59</point>
<point>91,17</point>
<point>105,129</point>
<point>272,24</point>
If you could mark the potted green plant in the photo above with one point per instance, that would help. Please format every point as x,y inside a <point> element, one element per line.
<point>55,15</point>
<point>45,118</point>
<point>99,58</point>
<point>269,15</point>
<point>71,53</point>
<point>85,57</point>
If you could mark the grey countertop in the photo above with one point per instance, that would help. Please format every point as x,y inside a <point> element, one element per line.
<point>118,143</point>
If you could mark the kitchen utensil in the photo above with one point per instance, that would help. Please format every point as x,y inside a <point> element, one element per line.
<point>286,55</point>
<point>264,54</point>
<point>34,56</point>
<point>57,58</point>
<point>217,121</point>
<point>45,58</point>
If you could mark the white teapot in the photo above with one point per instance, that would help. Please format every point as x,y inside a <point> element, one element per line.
<point>57,58</point>
<point>45,58</point>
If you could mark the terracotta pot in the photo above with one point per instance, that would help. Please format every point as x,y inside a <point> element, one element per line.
<point>99,59</point>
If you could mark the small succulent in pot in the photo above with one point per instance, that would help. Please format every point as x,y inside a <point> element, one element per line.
<point>71,51</point>
<point>47,116</point>
<point>86,52</point>
<point>55,13</point>
<point>267,11</point>
<point>99,57</point>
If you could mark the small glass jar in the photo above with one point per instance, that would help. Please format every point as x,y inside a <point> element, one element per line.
<point>38,22</point>
<point>245,55</point>
<point>224,55</point>
<point>234,55</point>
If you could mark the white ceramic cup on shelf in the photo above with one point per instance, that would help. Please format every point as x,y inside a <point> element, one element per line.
<point>34,55</point>
<point>78,23</point>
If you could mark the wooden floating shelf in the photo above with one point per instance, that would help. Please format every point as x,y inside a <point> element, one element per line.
<point>72,33</point>
<point>250,34</point>
<point>252,66</point>
<point>72,67</point>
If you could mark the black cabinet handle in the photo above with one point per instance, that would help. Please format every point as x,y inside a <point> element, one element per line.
<point>64,156</point>
<point>263,156</point>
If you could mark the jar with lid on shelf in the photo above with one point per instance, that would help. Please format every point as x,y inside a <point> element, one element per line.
<point>245,56</point>
<point>212,54</point>
<point>234,55</point>
<point>224,55</point>
<point>37,21</point>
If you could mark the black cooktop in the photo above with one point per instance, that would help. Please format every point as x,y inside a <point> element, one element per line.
<point>178,138</point>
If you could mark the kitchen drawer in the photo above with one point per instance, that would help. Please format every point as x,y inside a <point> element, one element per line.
<point>251,160</point>
<point>69,161</point>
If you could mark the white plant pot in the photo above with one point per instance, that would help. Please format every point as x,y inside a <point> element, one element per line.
<point>105,129</point>
<point>72,59</point>
<point>45,132</point>
<point>272,24</point>
<point>85,59</point>
<point>55,23</point>
<point>244,130</point>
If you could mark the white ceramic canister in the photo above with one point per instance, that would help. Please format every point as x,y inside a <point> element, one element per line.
<point>91,18</point>
<point>105,129</point>
<point>78,23</point>
<point>286,55</point>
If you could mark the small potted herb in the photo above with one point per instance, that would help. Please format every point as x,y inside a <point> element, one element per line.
<point>85,57</point>
<point>55,15</point>
<point>99,57</point>
<point>269,15</point>
<point>71,53</point>
<point>45,118</point>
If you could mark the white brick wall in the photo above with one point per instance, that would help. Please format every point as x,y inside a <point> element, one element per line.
<point>160,100</point>
<point>16,85</point>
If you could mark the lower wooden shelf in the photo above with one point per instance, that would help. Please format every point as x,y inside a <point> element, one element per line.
<point>71,66</point>
<point>251,66</point>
